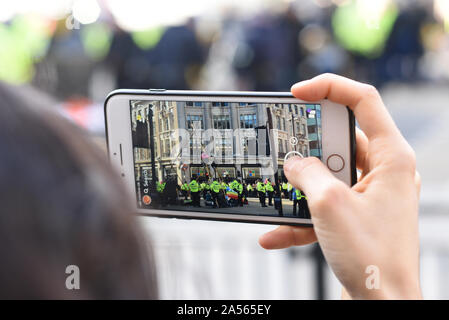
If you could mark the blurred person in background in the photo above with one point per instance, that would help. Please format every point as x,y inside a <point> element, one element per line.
<point>274,52</point>
<point>172,62</point>
<point>127,61</point>
<point>62,205</point>
<point>404,48</point>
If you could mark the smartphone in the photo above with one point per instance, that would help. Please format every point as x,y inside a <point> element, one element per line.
<point>219,155</point>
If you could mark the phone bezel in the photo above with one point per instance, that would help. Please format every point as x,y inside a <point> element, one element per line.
<point>119,140</point>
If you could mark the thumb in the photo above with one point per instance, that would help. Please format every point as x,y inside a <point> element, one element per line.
<point>322,188</point>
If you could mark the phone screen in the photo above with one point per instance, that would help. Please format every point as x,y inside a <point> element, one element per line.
<point>222,157</point>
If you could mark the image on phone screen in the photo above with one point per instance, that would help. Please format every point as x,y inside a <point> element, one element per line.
<point>221,157</point>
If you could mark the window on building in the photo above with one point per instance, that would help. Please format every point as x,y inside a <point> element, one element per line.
<point>283,124</point>
<point>167,124</point>
<point>245,146</point>
<point>222,121</point>
<point>194,121</point>
<point>312,129</point>
<point>281,146</point>
<point>249,146</point>
<point>223,147</point>
<point>172,121</point>
<point>302,111</point>
<point>278,122</point>
<point>166,152</point>
<point>248,121</point>
<point>220,104</point>
<point>189,103</point>
<point>198,104</point>
<point>314,144</point>
<point>195,146</point>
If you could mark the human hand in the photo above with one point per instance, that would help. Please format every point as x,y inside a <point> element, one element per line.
<point>374,222</point>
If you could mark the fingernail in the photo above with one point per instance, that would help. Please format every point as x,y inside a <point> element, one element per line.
<point>299,84</point>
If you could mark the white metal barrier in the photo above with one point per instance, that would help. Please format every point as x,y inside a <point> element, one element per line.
<point>222,260</point>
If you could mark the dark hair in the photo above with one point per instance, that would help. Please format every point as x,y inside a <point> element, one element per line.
<point>61,204</point>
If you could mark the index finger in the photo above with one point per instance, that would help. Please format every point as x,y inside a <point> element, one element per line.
<point>362,99</point>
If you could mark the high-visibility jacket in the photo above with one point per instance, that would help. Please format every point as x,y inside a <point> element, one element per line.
<point>215,187</point>
<point>260,187</point>
<point>239,188</point>
<point>299,195</point>
<point>160,186</point>
<point>284,186</point>
<point>289,187</point>
<point>223,186</point>
<point>194,186</point>
<point>203,186</point>
<point>185,187</point>
<point>249,187</point>
<point>269,187</point>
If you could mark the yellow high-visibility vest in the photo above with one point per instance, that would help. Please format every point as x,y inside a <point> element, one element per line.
<point>260,187</point>
<point>194,187</point>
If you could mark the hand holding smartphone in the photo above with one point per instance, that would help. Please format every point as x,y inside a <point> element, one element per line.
<point>220,155</point>
<point>368,232</point>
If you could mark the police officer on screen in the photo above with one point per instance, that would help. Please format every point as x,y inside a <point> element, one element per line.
<point>285,189</point>
<point>270,191</point>
<point>260,187</point>
<point>239,188</point>
<point>204,187</point>
<point>184,189</point>
<point>160,188</point>
<point>250,189</point>
<point>195,192</point>
<point>245,193</point>
<point>300,200</point>
<point>215,192</point>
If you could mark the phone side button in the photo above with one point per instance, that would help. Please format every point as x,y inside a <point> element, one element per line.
<point>157,90</point>
<point>335,162</point>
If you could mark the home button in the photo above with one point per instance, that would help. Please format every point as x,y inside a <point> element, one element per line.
<point>335,163</point>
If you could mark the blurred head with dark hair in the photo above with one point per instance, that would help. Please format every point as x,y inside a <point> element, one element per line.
<point>61,204</point>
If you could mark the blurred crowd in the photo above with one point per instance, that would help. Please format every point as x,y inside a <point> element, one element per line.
<point>267,49</point>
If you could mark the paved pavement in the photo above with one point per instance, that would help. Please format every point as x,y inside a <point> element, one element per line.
<point>422,114</point>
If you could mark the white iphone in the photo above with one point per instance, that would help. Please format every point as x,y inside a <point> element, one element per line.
<point>220,155</point>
